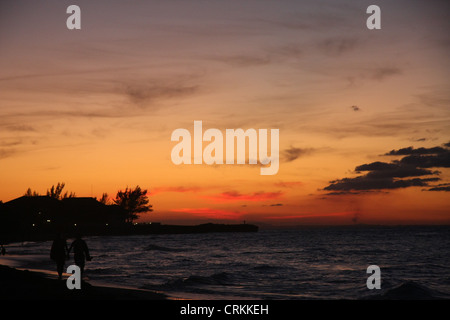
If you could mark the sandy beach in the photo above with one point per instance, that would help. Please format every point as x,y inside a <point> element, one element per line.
<point>31,284</point>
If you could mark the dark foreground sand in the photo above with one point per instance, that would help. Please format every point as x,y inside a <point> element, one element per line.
<point>23,284</point>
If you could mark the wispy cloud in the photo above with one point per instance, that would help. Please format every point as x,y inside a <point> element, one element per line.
<point>234,196</point>
<point>21,128</point>
<point>288,184</point>
<point>144,95</point>
<point>383,73</point>
<point>377,73</point>
<point>293,153</point>
<point>178,189</point>
<point>5,153</point>
<point>338,45</point>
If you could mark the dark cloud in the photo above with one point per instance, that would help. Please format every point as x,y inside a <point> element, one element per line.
<point>369,183</point>
<point>397,174</point>
<point>412,151</point>
<point>394,170</point>
<point>272,205</point>
<point>293,153</point>
<point>440,187</point>
<point>441,160</point>
<point>355,108</point>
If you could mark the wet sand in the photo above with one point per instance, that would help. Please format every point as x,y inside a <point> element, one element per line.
<point>30,285</point>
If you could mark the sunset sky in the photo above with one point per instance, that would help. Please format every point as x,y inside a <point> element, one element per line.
<point>364,115</point>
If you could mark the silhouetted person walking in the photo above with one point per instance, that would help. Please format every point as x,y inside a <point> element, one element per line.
<point>81,252</point>
<point>58,253</point>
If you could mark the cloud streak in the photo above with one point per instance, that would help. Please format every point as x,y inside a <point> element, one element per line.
<point>382,73</point>
<point>292,153</point>
<point>234,196</point>
<point>418,151</point>
<point>145,94</point>
<point>338,46</point>
<point>441,187</point>
<point>288,184</point>
<point>5,153</point>
<point>179,189</point>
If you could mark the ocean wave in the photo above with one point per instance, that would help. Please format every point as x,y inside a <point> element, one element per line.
<point>409,290</point>
<point>104,271</point>
<point>154,247</point>
<point>222,279</point>
<point>106,255</point>
<point>266,268</point>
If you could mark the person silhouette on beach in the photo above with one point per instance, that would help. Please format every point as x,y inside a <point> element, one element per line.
<point>3,250</point>
<point>58,253</point>
<point>81,252</point>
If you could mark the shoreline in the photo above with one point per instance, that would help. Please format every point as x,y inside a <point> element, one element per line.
<point>47,233</point>
<point>31,284</point>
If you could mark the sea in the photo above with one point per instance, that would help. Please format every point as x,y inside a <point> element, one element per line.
<point>307,263</point>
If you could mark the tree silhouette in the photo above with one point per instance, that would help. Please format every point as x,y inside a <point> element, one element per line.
<point>30,193</point>
<point>104,199</point>
<point>69,195</point>
<point>55,192</point>
<point>133,201</point>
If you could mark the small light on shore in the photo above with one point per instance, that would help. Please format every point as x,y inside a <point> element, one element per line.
<point>49,221</point>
